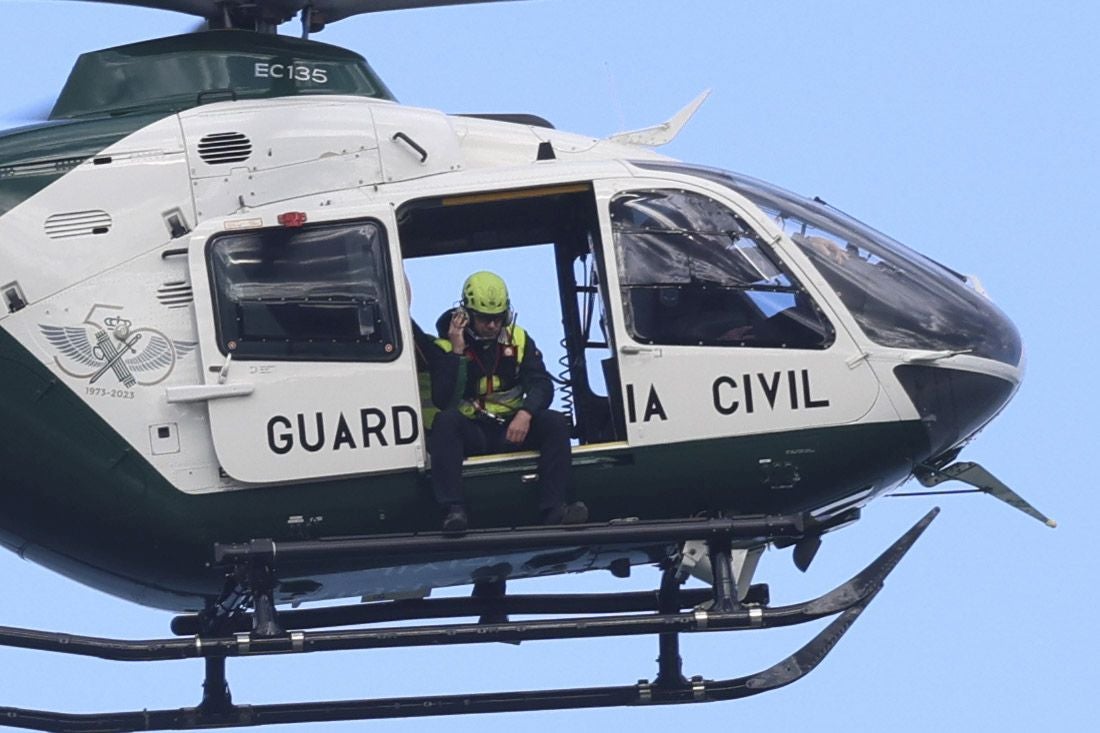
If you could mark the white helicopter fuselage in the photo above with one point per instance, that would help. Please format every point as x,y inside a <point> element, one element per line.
<point>108,277</point>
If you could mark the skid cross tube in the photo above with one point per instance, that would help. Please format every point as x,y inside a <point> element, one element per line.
<point>725,586</point>
<point>847,600</point>
<point>438,608</point>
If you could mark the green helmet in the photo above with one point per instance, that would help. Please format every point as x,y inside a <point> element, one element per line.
<point>485,292</point>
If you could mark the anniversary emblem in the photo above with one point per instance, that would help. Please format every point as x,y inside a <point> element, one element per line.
<point>108,343</point>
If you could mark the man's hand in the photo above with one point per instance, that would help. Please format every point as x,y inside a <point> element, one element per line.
<point>518,428</point>
<point>456,332</point>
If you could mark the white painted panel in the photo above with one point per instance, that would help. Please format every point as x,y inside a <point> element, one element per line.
<point>681,393</point>
<point>137,180</point>
<point>295,148</point>
<point>401,130</point>
<point>119,348</point>
<point>284,133</point>
<point>298,420</point>
<point>318,419</point>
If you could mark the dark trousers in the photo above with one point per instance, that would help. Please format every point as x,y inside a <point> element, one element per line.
<point>455,436</point>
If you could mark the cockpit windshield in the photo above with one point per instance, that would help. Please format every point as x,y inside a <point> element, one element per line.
<point>899,297</point>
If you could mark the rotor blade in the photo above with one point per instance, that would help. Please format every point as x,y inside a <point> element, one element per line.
<point>201,8</point>
<point>338,9</point>
<point>281,10</point>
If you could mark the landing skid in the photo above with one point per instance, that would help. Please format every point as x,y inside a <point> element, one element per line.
<point>666,620</point>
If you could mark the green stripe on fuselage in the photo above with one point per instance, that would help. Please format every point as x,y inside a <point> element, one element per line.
<point>78,498</point>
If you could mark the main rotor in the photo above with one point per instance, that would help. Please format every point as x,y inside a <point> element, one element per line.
<point>268,15</point>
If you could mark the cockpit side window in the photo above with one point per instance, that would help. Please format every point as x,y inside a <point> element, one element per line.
<point>318,293</point>
<point>693,272</point>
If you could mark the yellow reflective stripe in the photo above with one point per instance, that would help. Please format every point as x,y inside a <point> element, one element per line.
<point>501,404</point>
<point>509,400</point>
<point>495,402</point>
<point>483,386</point>
<point>428,410</point>
<point>519,340</point>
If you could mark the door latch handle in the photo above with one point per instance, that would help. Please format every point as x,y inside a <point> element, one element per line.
<point>207,392</point>
<point>631,349</point>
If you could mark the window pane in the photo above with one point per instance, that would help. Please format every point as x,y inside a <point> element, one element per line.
<point>899,297</point>
<point>315,293</point>
<point>682,237</point>
<point>693,272</point>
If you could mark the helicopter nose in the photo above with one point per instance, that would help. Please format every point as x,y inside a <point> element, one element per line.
<point>953,404</point>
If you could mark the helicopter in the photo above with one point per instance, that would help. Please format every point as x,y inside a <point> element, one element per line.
<point>845,358</point>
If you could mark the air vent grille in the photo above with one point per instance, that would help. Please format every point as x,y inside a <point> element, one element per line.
<point>77,224</point>
<point>224,147</point>
<point>176,294</point>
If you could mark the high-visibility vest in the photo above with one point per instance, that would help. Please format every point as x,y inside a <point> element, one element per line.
<point>491,400</point>
<point>428,410</point>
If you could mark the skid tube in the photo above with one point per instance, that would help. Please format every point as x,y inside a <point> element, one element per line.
<point>848,600</point>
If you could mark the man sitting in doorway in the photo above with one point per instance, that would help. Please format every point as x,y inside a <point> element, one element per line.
<point>500,395</point>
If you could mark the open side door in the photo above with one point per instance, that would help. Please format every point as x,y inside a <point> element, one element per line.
<point>308,363</point>
<point>545,240</point>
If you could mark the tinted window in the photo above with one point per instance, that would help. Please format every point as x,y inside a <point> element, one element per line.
<point>693,272</point>
<point>899,297</point>
<point>320,293</point>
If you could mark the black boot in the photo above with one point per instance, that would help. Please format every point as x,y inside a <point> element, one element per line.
<point>575,513</point>
<point>455,522</point>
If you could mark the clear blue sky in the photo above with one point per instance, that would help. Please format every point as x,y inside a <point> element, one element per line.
<point>968,131</point>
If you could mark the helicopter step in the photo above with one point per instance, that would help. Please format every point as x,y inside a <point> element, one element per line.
<point>250,572</point>
<point>846,602</point>
<point>755,529</point>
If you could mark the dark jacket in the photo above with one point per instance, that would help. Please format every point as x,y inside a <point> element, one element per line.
<point>456,377</point>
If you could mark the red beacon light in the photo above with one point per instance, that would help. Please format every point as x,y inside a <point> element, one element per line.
<point>292,218</point>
